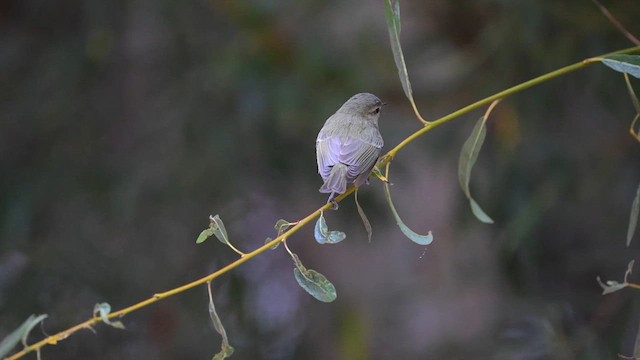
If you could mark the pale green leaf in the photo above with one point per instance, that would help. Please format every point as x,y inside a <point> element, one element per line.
<point>323,235</point>
<point>413,236</point>
<point>282,226</point>
<point>315,284</point>
<point>363,216</point>
<point>479,213</point>
<point>226,350</point>
<point>268,240</point>
<point>633,217</point>
<point>103,310</point>
<point>610,286</point>
<point>629,64</point>
<point>20,334</point>
<point>393,25</point>
<point>468,157</point>
<point>204,235</point>
<point>217,226</point>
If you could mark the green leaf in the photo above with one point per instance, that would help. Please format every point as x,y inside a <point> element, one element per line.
<point>217,226</point>
<point>103,311</point>
<point>315,284</point>
<point>413,236</point>
<point>226,350</point>
<point>629,64</point>
<point>323,235</point>
<point>468,157</point>
<point>393,25</point>
<point>282,226</point>
<point>610,286</point>
<point>204,235</point>
<point>632,95</point>
<point>19,334</point>
<point>363,216</point>
<point>268,240</point>
<point>633,217</point>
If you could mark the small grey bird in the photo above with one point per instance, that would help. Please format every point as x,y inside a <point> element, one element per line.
<point>349,144</point>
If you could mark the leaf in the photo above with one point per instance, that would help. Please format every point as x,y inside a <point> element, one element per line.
<point>628,64</point>
<point>103,311</point>
<point>226,350</point>
<point>315,283</point>
<point>633,217</point>
<point>413,236</point>
<point>204,235</point>
<point>217,226</point>
<point>468,157</point>
<point>282,226</point>
<point>363,216</point>
<point>323,235</point>
<point>20,334</point>
<point>629,269</point>
<point>393,25</point>
<point>610,286</point>
<point>268,240</point>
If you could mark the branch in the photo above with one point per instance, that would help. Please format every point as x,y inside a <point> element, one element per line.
<point>54,339</point>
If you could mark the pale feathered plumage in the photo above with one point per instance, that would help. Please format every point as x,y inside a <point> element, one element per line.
<point>349,144</point>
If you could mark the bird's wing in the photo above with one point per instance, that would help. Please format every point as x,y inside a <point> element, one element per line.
<point>358,155</point>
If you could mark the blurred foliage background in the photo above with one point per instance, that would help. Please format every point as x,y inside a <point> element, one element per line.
<point>124,124</point>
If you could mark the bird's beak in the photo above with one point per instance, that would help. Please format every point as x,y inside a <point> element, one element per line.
<point>384,104</point>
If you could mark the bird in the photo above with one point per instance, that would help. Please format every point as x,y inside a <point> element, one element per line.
<point>349,145</point>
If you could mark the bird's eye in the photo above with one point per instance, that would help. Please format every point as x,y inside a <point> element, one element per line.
<point>377,110</point>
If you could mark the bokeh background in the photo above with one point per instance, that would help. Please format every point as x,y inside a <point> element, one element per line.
<point>124,124</point>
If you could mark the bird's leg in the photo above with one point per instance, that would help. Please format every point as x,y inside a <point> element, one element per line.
<point>333,201</point>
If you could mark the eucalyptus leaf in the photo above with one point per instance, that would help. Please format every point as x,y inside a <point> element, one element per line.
<point>282,226</point>
<point>629,64</point>
<point>315,284</point>
<point>633,217</point>
<point>226,350</point>
<point>268,240</point>
<point>363,216</point>
<point>610,286</point>
<point>20,334</point>
<point>468,157</point>
<point>413,236</point>
<point>204,235</point>
<point>103,310</point>
<point>217,226</point>
<point>393,25</point>
<point>323,235</point>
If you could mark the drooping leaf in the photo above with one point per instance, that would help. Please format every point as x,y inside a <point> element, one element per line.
<point>393,25</point>
<point>468,157</point>
<point>217,226</point>
<point>363,216</point>
<point>103,310</point>
<point>629,64</point>
<point>315,284</point>
<point>633,217</point>
<point>413,236</point>
<point>323,235</point>
<point>226,350</point>
<point>204,235</point>
<point>20,334</point>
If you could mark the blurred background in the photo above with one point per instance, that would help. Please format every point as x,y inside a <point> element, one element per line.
<point>124,124</point>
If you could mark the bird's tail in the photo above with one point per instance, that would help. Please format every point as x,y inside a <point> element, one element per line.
<point>337,180</point>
